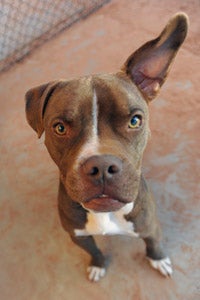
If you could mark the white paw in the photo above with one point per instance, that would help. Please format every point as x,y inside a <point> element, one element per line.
<point>164,266</point>
<point>95,273</point>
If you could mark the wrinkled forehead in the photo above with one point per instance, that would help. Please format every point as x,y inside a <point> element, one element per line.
<point>117,93</point>
<point>110,93</point>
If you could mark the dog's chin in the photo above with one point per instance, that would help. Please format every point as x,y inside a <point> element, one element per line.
<point>103,204</point>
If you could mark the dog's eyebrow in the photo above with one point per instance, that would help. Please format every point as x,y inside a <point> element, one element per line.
<point>126,113</point>
<point>134,109</point>
<point>63,117</point>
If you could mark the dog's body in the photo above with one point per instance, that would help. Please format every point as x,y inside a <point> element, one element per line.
<point>96,129</point>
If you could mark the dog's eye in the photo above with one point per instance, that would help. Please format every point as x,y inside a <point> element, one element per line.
<point>60,129</point>
<point>135,122</point>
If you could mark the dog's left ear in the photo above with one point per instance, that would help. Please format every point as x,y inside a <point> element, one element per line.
<point>36,101</point>
<point>149,65</point>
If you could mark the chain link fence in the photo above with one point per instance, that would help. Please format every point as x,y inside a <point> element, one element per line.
<point>26,24</point>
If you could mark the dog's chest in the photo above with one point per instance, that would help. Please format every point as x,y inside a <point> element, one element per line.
<point>108,223</point>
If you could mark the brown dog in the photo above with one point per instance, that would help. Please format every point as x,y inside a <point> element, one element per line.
<point>96,129</point>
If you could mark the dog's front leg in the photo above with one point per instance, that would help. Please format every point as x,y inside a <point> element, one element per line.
<point>157,257</point>
<point>73,216</point>
<point>97,268</point>
<point>146,224</point>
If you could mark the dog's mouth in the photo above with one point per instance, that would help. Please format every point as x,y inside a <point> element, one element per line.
<point>103,203</point>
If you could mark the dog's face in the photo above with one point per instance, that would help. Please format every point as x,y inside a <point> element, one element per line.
<point>96,127</point>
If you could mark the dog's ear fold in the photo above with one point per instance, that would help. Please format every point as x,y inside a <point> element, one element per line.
<point>149,65</point>
<point>36,102</point>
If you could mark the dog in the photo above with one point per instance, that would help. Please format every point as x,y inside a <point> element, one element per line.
<point>96,129</point>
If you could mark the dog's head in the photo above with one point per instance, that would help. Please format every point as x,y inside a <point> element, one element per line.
<point>96,127</point>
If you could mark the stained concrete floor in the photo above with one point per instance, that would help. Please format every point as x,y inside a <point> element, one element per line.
<point>38,260</point>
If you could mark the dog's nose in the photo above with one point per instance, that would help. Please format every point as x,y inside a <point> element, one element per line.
<point>102,167</point>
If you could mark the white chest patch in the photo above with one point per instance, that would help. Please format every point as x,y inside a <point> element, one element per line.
<point>108,223</point>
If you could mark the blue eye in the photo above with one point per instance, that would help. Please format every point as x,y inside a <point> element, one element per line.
<point>135,122</point>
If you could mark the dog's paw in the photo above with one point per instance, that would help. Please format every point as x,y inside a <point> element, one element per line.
<point>164,266</point>
<point>95,273</point>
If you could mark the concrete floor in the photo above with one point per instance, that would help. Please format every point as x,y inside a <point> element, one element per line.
<point>38,260</point>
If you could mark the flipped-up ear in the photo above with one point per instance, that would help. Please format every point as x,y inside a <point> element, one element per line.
<point>149,65</point>
<point>36,102</point>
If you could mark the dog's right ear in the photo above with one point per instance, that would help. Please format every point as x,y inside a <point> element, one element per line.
<point>148,66</point>
<point>36,101</point>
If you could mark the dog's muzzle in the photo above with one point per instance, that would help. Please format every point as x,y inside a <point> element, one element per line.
<point>103,171</point>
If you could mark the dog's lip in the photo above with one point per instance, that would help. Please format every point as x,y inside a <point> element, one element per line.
<point>103,203</point>
<point>105,196</point>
